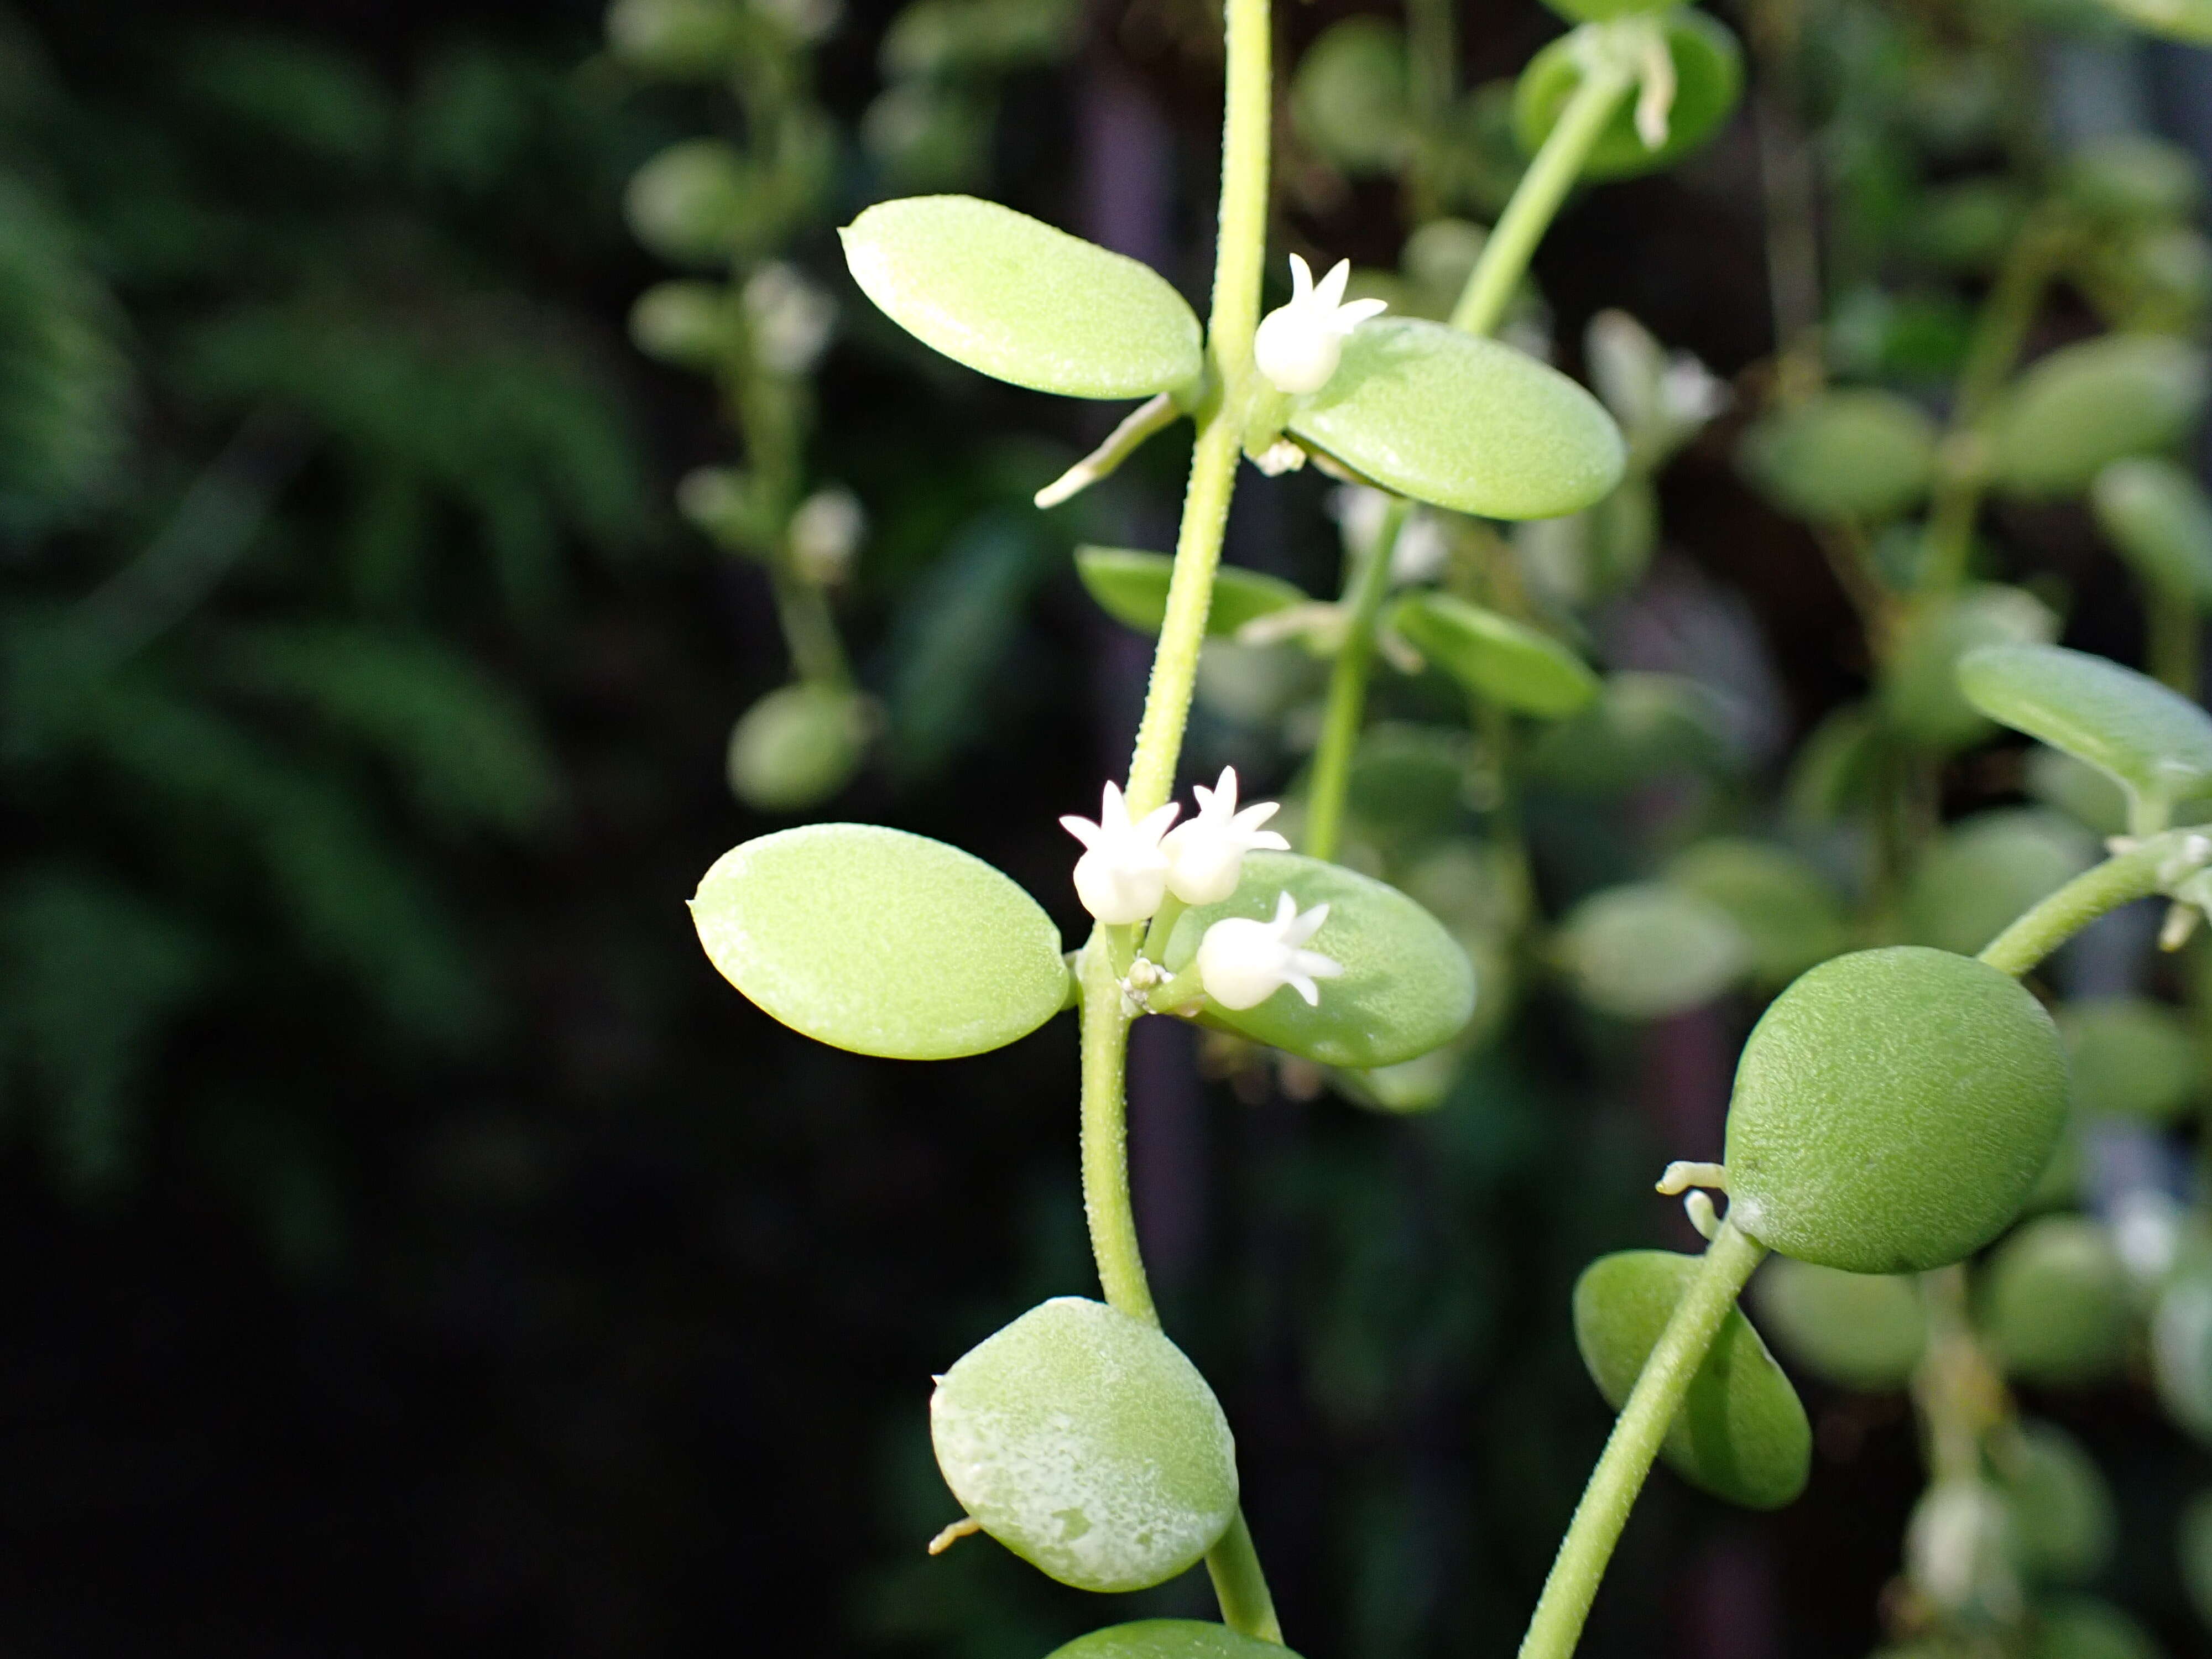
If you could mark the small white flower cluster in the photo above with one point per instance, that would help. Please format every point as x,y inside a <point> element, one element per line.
<point>1127,871</point>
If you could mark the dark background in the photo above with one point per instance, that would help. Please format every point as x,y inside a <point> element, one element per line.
<point>601,1320</point>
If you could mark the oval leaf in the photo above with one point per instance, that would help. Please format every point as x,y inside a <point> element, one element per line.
<point>1859,455</point>
<point>1406,985</point>
<point>2160,521</point>
<point>1646,949</point>
<point>1465,423</point>
<point>1132,587</point>
<point>1170,1638</point>
<point>1861,1330</point>
<point>2086,404</point>
<point>881,942</point>
<point>1920,686</point>
<point>1010,296</point>
<point>2157,744</point>
<point>1708,72</point>
<point>1494,655</point>
<point>1790,916</point>
<point>1741,1433</point>
<point>2131,1057</point>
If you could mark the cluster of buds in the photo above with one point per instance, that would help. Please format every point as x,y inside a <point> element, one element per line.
<point>1129,869</point>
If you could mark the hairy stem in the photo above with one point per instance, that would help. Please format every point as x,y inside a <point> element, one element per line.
<point>2120,879</point>
<point>1536,199</point>
<point>1240,1586</point>
<point>1368,585</point>
<point>1106,1206</point>
<point>1637,1434</point>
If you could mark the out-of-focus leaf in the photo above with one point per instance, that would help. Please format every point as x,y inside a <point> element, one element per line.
<point>1986,869</point>
<point>2088,404</point>
<point>1648,950</point>
<point>1789,915</point>
<point>318,101</point>
<point>1348,96</point>
<point>1642,727</point>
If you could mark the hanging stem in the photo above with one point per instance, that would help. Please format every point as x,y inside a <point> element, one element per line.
<point>1106,1206</point>
<point>1369,585</point>
<point>1565,1605</point>
<point>1537,197</point>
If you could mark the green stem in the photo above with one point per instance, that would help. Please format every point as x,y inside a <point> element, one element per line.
<point>809,633</point>
<point>2170,616</point>
<point>1999,334</point>
<point>2120,879</point>
<point>1637,1434</point>
<point>1240,1586</point>
<point>1106,1206</point>
<point>1369,585</point>
<point>1537,197</point>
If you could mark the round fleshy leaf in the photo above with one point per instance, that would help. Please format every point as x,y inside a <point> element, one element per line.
<point>1892,1111</point>
<point>2054,1302</point>
<point>1860,1330</point>
<point>1741,1433</point>
<point>2131,1057</point>
<point>1406,987</point>
<point>1170,1638</point>
<point>1920,690</point>
<point>1132,587</point>
<point>797,746</point>
<point>1708,74</point>
<point>2157,746</point>
<point>881,942</point>
<point>2159,518</point>
<point>1494,656</point>
<point>1465,423</point>
<point>2063,1524</point>
<point>1984,871</point>
<point>1857,454</point>
<point>2089,405</point>
<point>2181,1345</point>
<point>1084,1442</point>
<point>1348,97</point>
<point>1647,950</point>
<point>1015,299</point>
<point>1642,727</point>
<point>1787,912</point>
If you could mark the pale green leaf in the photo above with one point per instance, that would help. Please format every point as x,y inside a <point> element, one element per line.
<point>1465,423</point>
<point>2090,404</point>
<point>1132,587</point>
<point>2159,518</point>
<point>881,942</point>
<point>1647,950</point>
<point>1406,985</point>
<point>1170,1638</point>
<point>2157,744</point>
<point>1015,299</point>
<point>1495,656</point>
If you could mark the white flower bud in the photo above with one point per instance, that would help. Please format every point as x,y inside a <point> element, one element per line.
<point>1299,345</point>
<point>1206,854</point>
<point>824,533</point>
<point>1122,875</point>
<point>1241,963</point>
<point>790,317</point>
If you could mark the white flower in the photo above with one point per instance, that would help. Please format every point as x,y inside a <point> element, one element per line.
<point>1242,963</point>
<point>790,316</point>
<point>1122,875</point>
<point>825,532</point>
<point>1206,854</point>
<point>1299,345</point>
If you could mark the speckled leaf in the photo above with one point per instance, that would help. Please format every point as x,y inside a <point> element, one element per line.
<point>1406,987</point>
<point>1015,299</point>
<point>1741,1433</point>
<point>1465,423</point>
<point>1495,656</point>
<point>881,942</point>
<point>2156,744</point>
<point>1170,1638</point>
<point>1132,587</point>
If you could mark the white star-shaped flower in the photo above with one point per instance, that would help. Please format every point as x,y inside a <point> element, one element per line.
<point>1122,875</point>
<point>1242,963</point>
<point>1206,854</point>
<point>1299,345</point>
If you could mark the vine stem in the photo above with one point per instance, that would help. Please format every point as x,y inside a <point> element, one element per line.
<point>1370,584</point>
<point>2120,879</point>
<point>1564,1606</point>
<point>1536,199</point>
<point>1240,250</point>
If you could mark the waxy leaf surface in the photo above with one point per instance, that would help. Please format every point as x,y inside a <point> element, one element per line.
<point>1741,1433</point>
<point>1465,423</point>
<point>1015,299</point>
<point>1170,1638</point>
<point>1406,987</point>
<point>1132,587</point>
<point>881,942</point>
<point>2156,744</point>
<point>1494,655</point>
